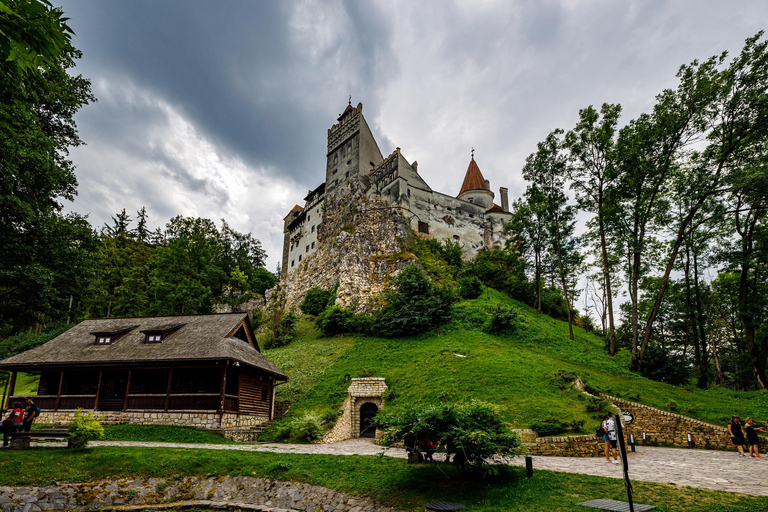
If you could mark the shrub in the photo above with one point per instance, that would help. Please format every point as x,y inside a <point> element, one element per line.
<point>503,320</point>
<point>598,405</point>
<point>285,331</point>
<point>549,427</point>
<point>84,427</point>
<point>335,320</point>
<point>466,432</point>
<point>308,426</point>
<point>470,287</point>
<point>315,301</point>
<point>414,305</point>
<point>672,405</point>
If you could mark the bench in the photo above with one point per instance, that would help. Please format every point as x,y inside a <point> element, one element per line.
<point>21,440</point>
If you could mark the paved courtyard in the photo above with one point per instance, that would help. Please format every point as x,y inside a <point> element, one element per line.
<point>717,470</point>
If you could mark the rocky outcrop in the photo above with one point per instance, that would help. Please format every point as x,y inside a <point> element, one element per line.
<point>361,244</point>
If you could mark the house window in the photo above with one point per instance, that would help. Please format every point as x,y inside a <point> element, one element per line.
<point>154,338</point>
<point>103,340</point>
<point>423,227</point>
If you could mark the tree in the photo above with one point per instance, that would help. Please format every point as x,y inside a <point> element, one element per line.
<point>37,108</point>
<point>592,173</point>
<point>546,170</point>
<point>33,34</point>
<point>529,223</point>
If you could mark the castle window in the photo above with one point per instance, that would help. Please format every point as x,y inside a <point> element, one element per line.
<point>313,245</point>
<point>423,228</point>
<point>335,158</point>
<point>292,262</point>
<point>334,171</point>
<point>347,174</point>
<point>299,258</point>
<point>471,200</point>
<point>308,216</point>
<point>313,229</point>
<point>307,249</point>
<point>409,192</point>
<point>349,162</point>
<point>349,145</point>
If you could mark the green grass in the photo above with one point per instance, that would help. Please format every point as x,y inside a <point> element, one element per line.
<point>387,480</point>
<point>162,434</point>
<point>516,373</point>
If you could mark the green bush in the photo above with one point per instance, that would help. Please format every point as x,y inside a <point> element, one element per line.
<point>470,287</point>
<point>598,405</point>
<point>84,427</point>
<point>503,320</point>
<point>315,301</point>
<point>466,432</point>
<point>284,333</point>
<point>336,320</point>
<point>414,305</point>
<point>308,426</point>
<point>549,427</point>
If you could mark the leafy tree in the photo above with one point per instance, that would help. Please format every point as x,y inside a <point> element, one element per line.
<point>592,172</point>
<point>468,433</point>
<point>33,34</point>
<point>529,222</point>
<point>315,301</point>
<point>37,108</point>
<point>414,305</point>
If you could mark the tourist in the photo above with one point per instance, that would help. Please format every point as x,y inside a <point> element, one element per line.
<point>30,414</point>
<point>752,440</point>
<point>12,423</point>
<point>609,426</point>
<point>737,436</point>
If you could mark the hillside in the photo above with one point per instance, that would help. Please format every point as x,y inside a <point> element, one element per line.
<point>520,373</point>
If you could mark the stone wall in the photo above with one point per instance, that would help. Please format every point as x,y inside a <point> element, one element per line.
<point>202,493</point>
<point>190,419</point>
<point>670,429</point>
<point>361,391</point>
<point>360,245</point>
<point>568,446</point>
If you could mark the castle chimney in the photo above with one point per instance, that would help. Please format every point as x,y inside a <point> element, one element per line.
<point>415,166</point>
<point>504,199</point>
<point>487,185</point>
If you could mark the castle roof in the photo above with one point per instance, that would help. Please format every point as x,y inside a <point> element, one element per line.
<point>473,180</point>
<point>495,209</point>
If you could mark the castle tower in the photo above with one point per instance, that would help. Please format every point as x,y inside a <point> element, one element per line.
<point>475,188</point>
<point>352,150</point>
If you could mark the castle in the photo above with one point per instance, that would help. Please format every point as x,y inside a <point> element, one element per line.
<point>354,162</point>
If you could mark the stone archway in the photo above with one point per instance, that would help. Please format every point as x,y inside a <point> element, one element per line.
<point>367,413</point>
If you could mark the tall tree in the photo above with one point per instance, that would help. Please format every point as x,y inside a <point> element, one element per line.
<point>529,223</point>
<point>546,170</point>
<point>592,173</point>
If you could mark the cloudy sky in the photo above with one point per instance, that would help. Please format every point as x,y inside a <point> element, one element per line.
<point>220,109</point>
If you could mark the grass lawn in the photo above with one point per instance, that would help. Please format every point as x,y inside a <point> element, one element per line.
<point>517,373</point>
<point>390,481</point>
<point>162,434</point>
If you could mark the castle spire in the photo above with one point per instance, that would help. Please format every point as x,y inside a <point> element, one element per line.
<point>473,180</point>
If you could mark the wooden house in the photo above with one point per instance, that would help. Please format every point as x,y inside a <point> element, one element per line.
<point>201,370</point>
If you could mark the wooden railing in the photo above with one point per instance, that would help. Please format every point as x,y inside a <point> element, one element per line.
<point>208,402</point>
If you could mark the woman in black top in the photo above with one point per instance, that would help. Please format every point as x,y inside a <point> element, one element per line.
<point>737,436</point>
<point>752,439</point>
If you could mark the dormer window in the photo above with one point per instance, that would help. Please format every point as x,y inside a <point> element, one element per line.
<point>103,340</point>
<point>159,334</point>
<point>154,338</point>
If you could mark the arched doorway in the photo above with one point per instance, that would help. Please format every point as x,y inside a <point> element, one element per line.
<point>367,413</point>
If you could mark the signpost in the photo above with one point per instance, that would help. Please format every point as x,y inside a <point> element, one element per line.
<point>623,453</point>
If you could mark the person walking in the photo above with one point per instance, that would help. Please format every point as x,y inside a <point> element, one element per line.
<point>752,440</point>
<point>12,423</point>
<point>30,414</point>
<point>737,436</point>
<point>609,426</point>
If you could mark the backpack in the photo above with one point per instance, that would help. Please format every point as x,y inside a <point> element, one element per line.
<point>600,432</point>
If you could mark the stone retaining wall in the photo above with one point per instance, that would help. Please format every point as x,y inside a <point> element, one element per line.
<point>209,493</point>
<point>568,446</point>
<point>191,419</point>
<point>671,429</point>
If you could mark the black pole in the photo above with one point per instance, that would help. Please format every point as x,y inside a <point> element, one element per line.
<point>632,442</point>
<point>528,466</point>
<point>623,453</point>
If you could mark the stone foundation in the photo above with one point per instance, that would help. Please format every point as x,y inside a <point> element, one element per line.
<point>208,420</point>
<point>208,493</point>
<point>361,391</point>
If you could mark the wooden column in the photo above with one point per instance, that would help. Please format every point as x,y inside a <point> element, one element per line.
<point>127,390</point>
<point>11,388</point>
<point>61,386</point>
<point>239,387</point>
<point>168,390</point>
<point>98,391</point>
<point>223,387</point>
<point>5,391</point>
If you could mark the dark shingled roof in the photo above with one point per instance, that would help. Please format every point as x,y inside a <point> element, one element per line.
<point>200,337</point>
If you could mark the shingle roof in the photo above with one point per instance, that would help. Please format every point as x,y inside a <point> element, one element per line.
<point>495,209</point>
<point>201,337</point>
<point>473,180</point>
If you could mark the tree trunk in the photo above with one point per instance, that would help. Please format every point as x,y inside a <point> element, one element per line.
<point>607,278</point>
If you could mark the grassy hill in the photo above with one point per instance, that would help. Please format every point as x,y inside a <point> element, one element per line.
<point>520,373</point>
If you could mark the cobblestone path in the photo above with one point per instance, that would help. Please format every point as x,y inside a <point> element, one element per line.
<point>708,469</point>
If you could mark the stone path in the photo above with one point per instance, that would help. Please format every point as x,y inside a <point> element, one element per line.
<point>708,469</point>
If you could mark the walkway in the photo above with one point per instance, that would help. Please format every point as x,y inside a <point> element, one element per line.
<point>708,469</point>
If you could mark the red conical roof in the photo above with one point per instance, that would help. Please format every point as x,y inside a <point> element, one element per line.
<point>473,180</point>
